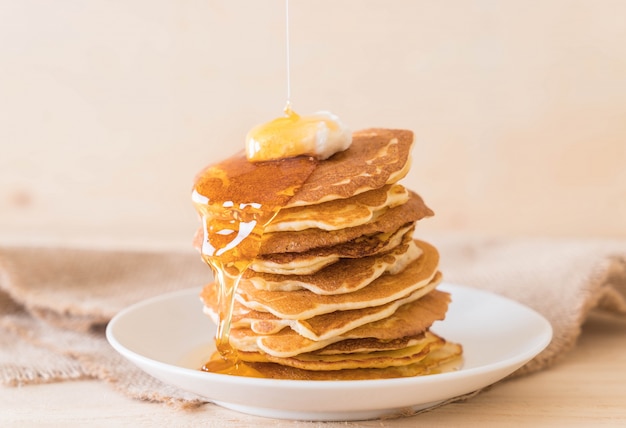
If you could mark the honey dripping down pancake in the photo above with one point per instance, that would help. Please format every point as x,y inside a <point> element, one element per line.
<point>316,273</point>
<point>234,209</point>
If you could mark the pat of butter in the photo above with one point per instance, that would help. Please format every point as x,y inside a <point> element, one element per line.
<point>320,135</point>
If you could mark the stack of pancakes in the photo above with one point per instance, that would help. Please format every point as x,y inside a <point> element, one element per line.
<point>340,289</point>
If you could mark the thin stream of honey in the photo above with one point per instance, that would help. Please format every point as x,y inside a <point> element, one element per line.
<point>288,57</point>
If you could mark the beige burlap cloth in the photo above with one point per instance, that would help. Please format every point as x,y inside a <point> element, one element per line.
<point>54,303</point>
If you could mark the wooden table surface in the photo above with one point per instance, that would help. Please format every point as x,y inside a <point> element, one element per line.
<point>587,388</point>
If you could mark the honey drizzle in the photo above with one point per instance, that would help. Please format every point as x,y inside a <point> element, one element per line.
<point>236,200</point>
<point>288,57</point>
<point>229,261</point>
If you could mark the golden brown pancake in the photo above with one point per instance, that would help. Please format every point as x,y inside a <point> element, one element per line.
<point>311,261</point>
<point>378,359</point>
<point>446,358</point>
<point>326,326</point>
<point>344,276</point>
<point>339,213</point>
<point>330,325</point>
<point>368,344</point>
<point>303,304</point>
<point>408,320</point>
<point>284,264</point>
<point>394,218</point>
<point>376,157</point>
<point>319,327</point>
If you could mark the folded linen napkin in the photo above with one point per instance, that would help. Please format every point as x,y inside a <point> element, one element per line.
<point>54,303</point>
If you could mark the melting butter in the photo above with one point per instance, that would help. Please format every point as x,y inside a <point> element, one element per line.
<point>320,135</point>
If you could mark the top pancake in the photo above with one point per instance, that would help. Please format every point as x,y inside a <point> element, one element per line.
<point>376,157</point>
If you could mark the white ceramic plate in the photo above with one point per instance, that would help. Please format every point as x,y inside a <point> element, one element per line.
<point>169,337</point>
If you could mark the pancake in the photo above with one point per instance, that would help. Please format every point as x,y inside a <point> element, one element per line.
<point>408,320</point>
<point>446,358</point>
<point>312,261</point>
<point>339,213</point>
<point>378,359</point>
<point>344,276</point>
<point>368,344</point>
<point>376,157</point>
<point>325,326</point>
<point>338,322</point>
<point>306,263</point>
<point>289,242</point>
<point>303,304</point>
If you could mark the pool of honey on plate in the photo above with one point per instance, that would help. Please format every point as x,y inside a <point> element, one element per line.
<point>236,199</point>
